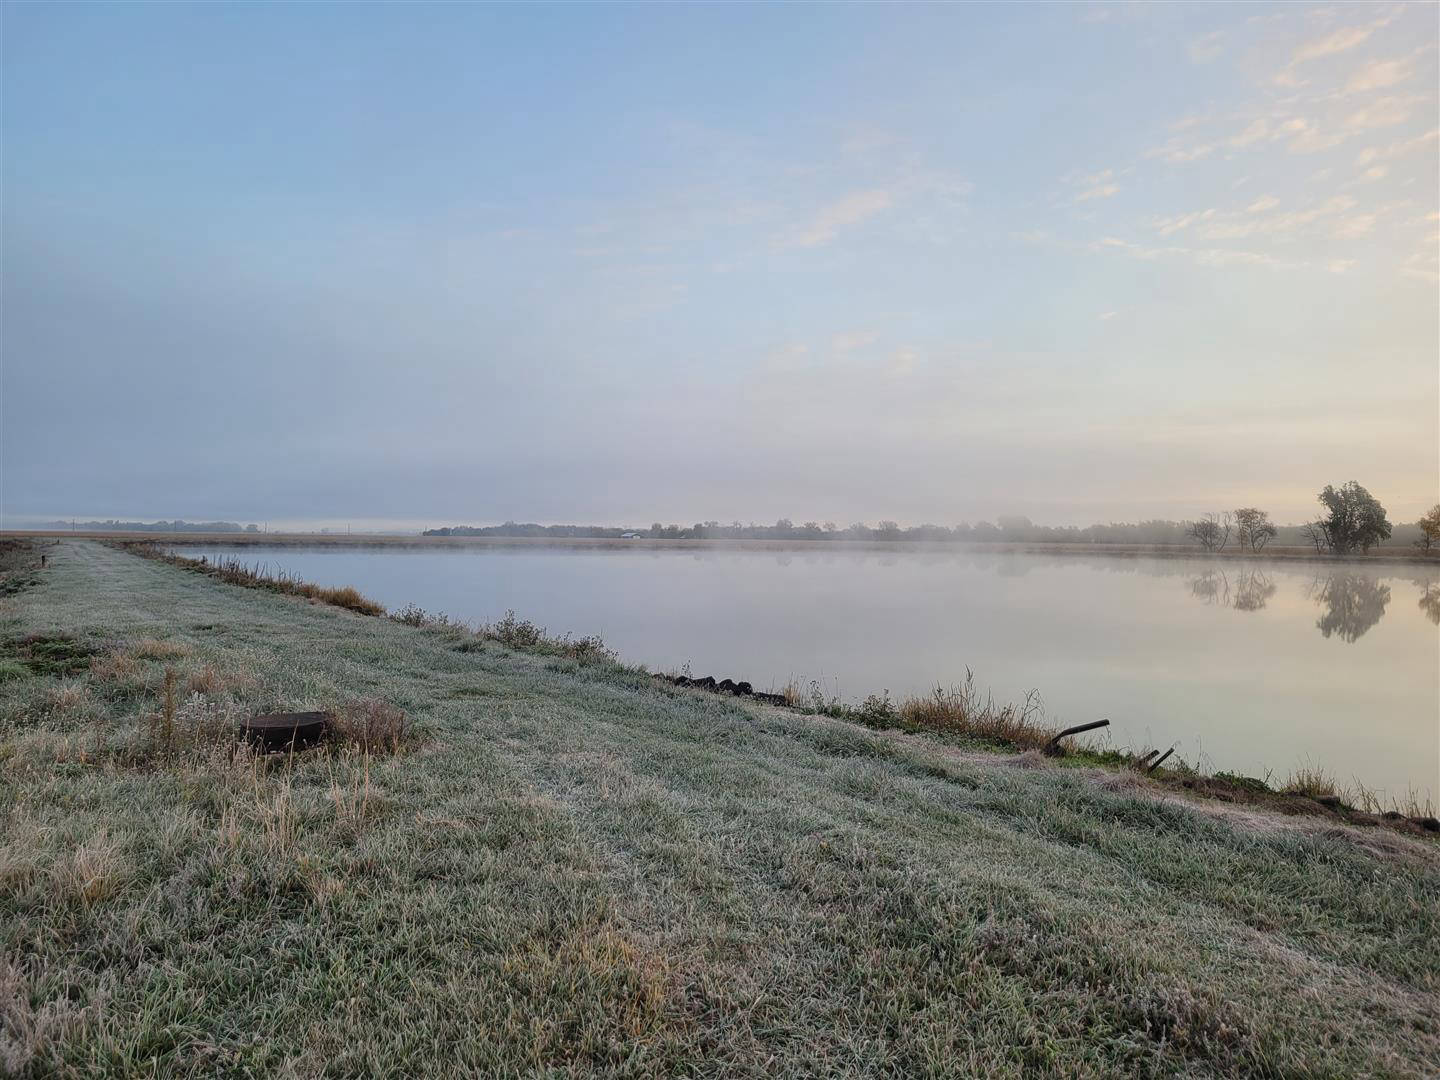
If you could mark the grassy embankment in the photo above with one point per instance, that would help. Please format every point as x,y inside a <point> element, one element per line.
<point>570,867</point>
<point>956,712</point>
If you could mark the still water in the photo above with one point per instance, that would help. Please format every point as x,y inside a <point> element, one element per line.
<point>1251,667</point>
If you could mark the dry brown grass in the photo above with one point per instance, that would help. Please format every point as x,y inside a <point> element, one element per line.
<point>371,725</point>
<point>963,710</point>
<point>93,872</point>
<point>212,680</point>
<point>116,666</point>
<point>1310,781</point>
<point>261,817</point>
<point>40,750</point>
<point>157,649</point>
<point>355,801</point>
<point>1315,783</point>
<point>345,596</point>
<point>66,698</point>
<point>206,679</point>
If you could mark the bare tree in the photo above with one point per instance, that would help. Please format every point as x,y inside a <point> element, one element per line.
<point>1212,531</point>
<point>1318,533</point>
<point>1253,528</point>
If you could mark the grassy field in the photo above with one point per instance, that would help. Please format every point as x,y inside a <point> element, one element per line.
<point>570,868</point>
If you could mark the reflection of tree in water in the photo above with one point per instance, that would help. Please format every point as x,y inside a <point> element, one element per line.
<point>1253,589</point>
<point>1353,604</point>
<point>1430,602</point>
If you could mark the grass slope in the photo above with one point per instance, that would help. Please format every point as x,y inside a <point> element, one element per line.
<point>581,871</point>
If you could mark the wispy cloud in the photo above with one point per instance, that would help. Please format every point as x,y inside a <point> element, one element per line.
<point>1168,226</point>
<point>1216,257</point>
<point>1177,152</point>
<point>1396,149</point>
<point>1337,41</point>
<point>1380,74</point>
<point>1348,228</point>
<point>1307,137</point>
<point>1095,185</point>
<point>1213,257</point>
<point>850,210</point>
<point>1207,47</point>
<point>1254,220</point>
<point>1383,112</point>
<point>853,339</point>
<point>1300,133</point>
<point>1256,130</point>
<point>1347,79</point>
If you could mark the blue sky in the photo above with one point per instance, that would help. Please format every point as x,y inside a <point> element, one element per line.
<point>410,263</point>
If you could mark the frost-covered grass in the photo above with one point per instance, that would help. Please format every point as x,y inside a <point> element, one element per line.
<point>233,571</point>
<point>573,869</point>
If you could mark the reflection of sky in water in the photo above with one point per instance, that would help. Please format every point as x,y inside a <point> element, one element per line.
<point>1255,665</point>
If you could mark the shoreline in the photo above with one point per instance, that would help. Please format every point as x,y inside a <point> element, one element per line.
<point>361,540</point>
<point>960,712</point>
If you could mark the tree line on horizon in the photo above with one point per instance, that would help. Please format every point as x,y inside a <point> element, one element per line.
<point>1249,527</point>
<point>1353,521</point>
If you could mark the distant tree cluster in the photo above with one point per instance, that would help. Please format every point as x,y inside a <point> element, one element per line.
<point>1248,528</point>
<point>1353,522</point>
<point>530,529</point>
<point>1004,530</point>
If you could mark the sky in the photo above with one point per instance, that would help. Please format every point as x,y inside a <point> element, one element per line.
<point>435,264</point>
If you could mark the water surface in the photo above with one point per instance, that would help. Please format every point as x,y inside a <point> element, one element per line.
<point>1246,666</point>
